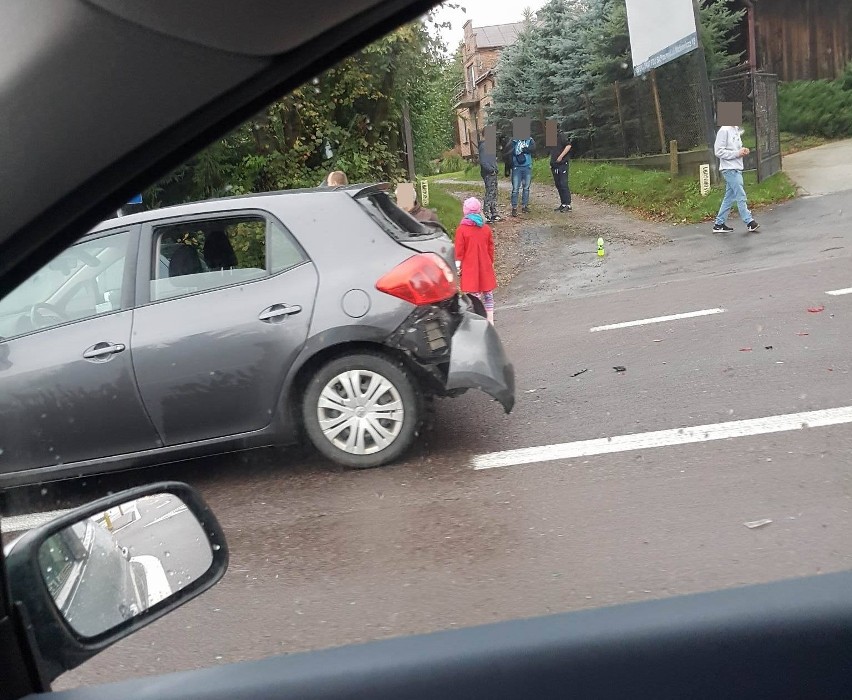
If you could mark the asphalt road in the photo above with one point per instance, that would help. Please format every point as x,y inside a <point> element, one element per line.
<point>323,557</point>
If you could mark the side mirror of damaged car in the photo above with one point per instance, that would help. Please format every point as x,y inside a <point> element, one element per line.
<point>101,572</point>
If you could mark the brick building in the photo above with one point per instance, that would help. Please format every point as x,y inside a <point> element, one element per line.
<point>480,53</point>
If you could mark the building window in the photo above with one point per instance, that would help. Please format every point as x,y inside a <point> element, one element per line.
<point>472,78</point>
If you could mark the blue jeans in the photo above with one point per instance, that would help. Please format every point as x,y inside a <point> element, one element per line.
<point>521,178</point>
<point>734,192</point>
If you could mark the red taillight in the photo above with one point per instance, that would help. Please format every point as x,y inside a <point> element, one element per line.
<point>422,279</point>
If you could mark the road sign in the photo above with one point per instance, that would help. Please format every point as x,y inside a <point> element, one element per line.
<point>424,192</point>
<point>704,179</point>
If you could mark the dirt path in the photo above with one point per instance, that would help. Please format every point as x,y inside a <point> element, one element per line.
<point>543,236</point>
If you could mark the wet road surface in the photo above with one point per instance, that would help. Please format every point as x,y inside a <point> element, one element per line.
<point>322,557</point>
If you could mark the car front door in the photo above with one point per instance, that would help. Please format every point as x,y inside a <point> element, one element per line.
<point>230,299</point>
<point>67,389</point>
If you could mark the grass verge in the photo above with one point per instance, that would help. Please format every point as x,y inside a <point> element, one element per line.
<point>448,208</point>
<point>657,195</point>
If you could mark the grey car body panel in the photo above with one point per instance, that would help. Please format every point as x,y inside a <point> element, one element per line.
<point>471,368</point>
<point>58,408</point>
<point>206,364</point>
<point>211,375</point>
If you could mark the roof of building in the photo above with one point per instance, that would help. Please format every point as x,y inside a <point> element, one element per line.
<point>497,35</point>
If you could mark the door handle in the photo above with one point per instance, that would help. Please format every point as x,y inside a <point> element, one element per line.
<point>103,350</point>
<point>277,311</point>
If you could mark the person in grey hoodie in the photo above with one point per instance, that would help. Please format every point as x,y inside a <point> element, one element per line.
<point>730,152</point>
<point>488,169</point>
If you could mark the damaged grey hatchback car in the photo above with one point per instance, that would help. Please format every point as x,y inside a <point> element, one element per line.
<point>237,323</point>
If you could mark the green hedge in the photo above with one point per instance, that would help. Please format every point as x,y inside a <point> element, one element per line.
<point>817,107</point>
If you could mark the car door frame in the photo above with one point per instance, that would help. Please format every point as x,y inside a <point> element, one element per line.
<point>147,258</point>
<point>280,429</point>
<point>128,286</point>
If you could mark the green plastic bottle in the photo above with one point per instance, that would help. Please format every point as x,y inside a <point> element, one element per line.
<point>601,252</point>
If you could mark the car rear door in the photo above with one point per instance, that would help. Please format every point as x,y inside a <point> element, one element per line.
<point>212,343</point>
<point>67,390</point>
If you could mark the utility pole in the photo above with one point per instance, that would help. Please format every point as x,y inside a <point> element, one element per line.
<point>409,141</point>
<point>706,95</point>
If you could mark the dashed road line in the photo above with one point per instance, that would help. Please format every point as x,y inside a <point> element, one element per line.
<point>657,319</point>
<point>840,292</point>
<point>665,438</point>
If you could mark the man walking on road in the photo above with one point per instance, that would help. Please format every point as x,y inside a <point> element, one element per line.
<point>522,150</point>
<point>488,169</point>
<point>559,160</point>
<point>730,152</point>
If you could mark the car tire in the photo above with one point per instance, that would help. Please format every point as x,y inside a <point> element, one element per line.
<point>368,430</point>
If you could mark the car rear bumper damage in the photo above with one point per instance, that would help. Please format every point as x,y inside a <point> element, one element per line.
<point>458,350</point>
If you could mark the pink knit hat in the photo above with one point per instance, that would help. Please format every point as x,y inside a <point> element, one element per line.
<point>472,206</point>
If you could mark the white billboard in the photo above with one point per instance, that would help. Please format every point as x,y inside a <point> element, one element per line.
<point>660,31</point>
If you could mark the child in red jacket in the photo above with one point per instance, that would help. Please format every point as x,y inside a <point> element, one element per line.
<point>475,256</point>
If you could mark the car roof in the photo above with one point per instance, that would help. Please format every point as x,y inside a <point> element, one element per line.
<point>245,201</point>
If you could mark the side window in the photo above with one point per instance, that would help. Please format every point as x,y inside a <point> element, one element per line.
<point>84,281</point>
<point>284,252</point>
<point>197,256</point>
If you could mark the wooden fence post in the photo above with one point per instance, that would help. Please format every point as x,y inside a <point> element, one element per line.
<point>591,124</point>
<point>620,118</point>
<point>660,125</point>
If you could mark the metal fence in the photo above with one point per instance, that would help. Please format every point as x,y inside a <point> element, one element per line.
<point>641,116</point>
<point>758,93</point>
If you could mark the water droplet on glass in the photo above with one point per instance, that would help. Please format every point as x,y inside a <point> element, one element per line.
<point>44,493</point>
<point>216,548</point>
<point>49,569</point>
<point>168,554</point>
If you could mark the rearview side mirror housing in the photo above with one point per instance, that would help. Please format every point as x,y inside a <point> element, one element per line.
<point>99,573</point>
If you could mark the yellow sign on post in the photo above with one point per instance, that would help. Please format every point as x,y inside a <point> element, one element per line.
<point>704,179</point>
<point>424,192</point>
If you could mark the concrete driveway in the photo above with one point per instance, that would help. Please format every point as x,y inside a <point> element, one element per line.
<point>823,170</point>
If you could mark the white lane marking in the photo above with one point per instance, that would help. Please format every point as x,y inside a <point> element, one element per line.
<point>172,513</point>
<point>839,292</point>
<point>17,523</point>
<point>665,438</point>
<point>658,319</point>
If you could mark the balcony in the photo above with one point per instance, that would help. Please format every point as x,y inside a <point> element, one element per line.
<point>464,99</point>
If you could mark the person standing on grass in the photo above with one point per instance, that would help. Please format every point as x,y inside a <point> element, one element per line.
<point>522,159</point>
<point>730,152</point>
<point>474,246</point>
<point>559,160</point>
<point>488,169</point>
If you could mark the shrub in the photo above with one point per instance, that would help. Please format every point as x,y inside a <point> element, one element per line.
<point>817,107</point>
<point>452,164</point>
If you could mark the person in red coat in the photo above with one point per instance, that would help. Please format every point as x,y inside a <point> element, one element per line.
<point>475,256</point>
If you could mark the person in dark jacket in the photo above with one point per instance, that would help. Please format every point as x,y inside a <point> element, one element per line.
<point>488,169</point>
<point>559,161</point>
<point>506,153</point>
